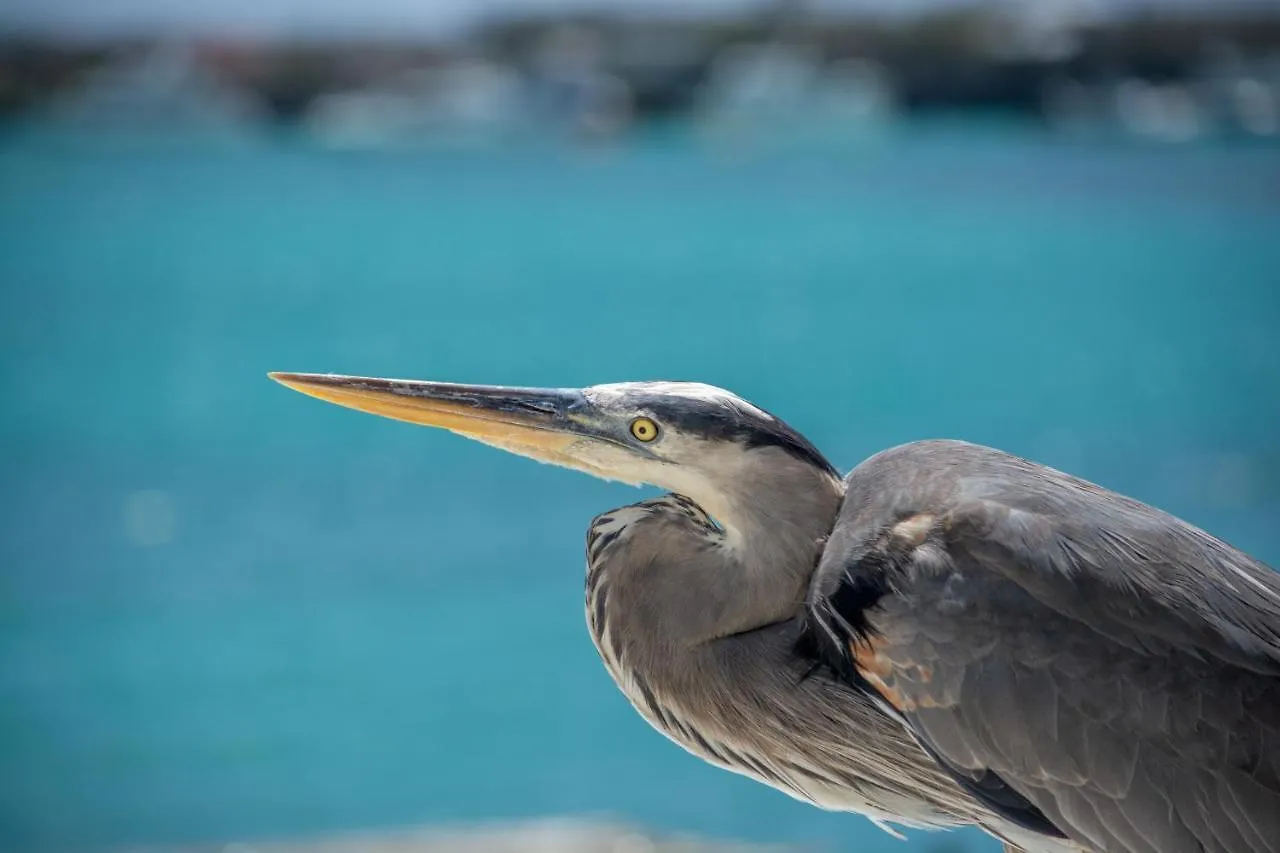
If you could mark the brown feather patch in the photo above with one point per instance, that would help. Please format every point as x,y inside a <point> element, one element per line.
<point>877,669</point>
<point>883,674</point>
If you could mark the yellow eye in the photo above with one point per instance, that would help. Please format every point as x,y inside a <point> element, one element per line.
<point>644,429</point>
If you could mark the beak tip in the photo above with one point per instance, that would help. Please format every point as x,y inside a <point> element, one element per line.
<point>285,379</point>
<point>290,380</point>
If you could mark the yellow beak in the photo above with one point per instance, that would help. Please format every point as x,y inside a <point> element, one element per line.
<point>535,422</point>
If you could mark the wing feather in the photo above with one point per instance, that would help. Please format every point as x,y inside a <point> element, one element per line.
<point>1114,666</point>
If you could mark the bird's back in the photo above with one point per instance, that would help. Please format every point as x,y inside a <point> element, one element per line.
<point>1196,581</point>
<point>1116,667</point>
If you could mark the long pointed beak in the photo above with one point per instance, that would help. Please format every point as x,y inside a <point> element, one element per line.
<point>535,422</point>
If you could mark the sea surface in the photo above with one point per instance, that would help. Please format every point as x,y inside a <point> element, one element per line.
<point>228,611</point>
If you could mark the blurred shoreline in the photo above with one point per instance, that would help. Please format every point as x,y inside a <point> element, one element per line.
<point>545,835</point>
<point>601,76</point>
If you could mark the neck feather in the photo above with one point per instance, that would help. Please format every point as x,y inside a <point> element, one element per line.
<point>774,511</point>
<point>775,520</point>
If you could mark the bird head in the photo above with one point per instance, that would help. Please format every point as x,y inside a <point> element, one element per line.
<point>686,437</point>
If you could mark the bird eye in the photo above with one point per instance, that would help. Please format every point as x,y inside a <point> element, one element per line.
<point>644,429</point>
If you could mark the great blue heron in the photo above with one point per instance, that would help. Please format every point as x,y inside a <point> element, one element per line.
<point>949,635</point>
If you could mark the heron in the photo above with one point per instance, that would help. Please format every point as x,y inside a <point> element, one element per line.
<point>948,635</point>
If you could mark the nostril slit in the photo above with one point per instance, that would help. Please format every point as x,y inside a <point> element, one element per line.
<point>531,406</point>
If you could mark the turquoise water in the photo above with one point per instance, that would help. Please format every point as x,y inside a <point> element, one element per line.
<point>229,611</point>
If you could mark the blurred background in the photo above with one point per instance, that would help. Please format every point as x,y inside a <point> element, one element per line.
<point>232,614</point>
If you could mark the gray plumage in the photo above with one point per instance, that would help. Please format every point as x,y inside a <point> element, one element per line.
<point>948,636</point>
<point>1116,666</point>
<point>744,700</point>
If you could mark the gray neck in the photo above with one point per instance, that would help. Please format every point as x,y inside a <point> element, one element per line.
<point>774,526</point>
<point>673,584</point>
